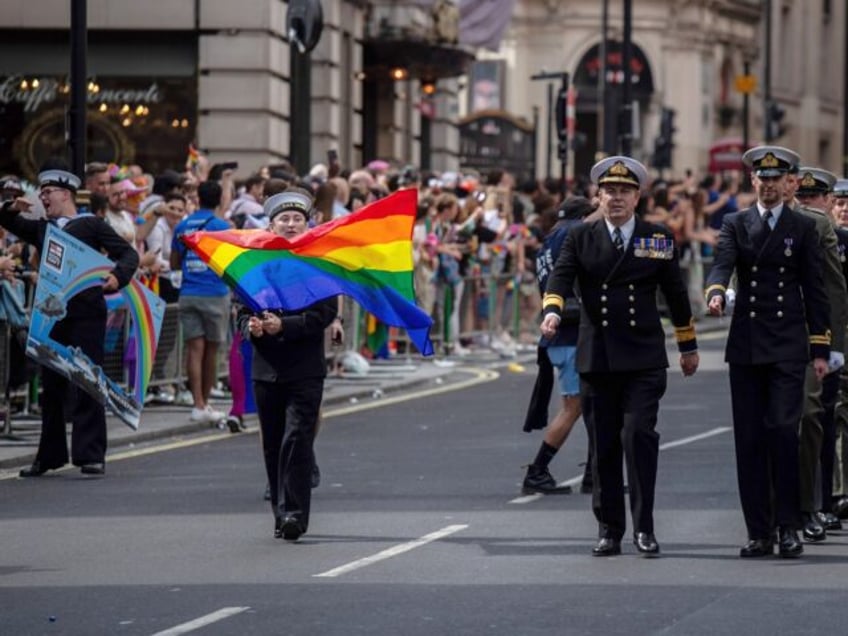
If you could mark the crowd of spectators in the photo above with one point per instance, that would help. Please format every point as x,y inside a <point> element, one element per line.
<point>475,238</point>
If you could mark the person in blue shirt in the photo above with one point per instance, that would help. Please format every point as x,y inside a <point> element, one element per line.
<point>557,351</point>
<point>204,303</point>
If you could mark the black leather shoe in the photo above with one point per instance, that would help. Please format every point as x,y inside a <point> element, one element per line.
<point>37,469</point>
<point>789,547</point>
<point>757,548</point>
<point>646,543</point>
<point>840,507</point>
<point>829,520</point>
<point>607,546</point>
<point>540,480</point>
<point>812,530</point>
<point>292,528</point>
<point>95,468</point>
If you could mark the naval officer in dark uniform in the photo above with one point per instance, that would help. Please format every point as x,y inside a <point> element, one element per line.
<point>619,262</point>
<point>83,326</point>
<point>780,323</point>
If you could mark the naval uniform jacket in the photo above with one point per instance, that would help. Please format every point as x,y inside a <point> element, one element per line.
<point>297,352</point>
<point>620,327</point>
<point>782,311</point>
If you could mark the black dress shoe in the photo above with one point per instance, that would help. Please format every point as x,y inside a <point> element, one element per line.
<point>646,543</point>
<point>840,507</point>
<point>607,546</point>
<point>829,520</point>
<point>789,547</point>
<point>95,468</point>
<point>292,528</point>
<point>37,469</point>
<point>539,480</point>
<point>757,548</point>
<point>812,529</point>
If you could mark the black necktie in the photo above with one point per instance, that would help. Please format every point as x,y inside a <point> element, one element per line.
<point>618,239</point>
<point>767,217</point>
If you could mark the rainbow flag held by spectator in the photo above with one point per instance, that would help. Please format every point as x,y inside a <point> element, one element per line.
<point>366,255</point>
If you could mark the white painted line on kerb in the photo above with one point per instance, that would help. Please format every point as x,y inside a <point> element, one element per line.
<point>203,621</point>
<point>392,552</point>
<point>576,480</point>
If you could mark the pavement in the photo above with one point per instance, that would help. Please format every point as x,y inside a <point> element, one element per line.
<point>384,378</point>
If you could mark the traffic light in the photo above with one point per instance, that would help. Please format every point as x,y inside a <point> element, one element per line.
<point>774,118</point>
<point>664,142</point>
<point>304,23</point>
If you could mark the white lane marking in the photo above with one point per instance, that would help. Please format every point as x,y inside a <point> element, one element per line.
<point>695,438</point>
<point>203,621</point>
<point>392,552</point>
<point>480,376</point>
<point>576,480</point>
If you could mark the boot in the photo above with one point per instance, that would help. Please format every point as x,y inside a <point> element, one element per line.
<point>540,480</point>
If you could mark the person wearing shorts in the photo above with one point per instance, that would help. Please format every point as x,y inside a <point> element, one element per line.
<point>204,304</point>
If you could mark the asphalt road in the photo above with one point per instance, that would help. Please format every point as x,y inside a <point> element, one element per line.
<point>418,527</point>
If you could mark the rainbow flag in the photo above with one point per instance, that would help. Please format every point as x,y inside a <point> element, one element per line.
<point>366,255</point>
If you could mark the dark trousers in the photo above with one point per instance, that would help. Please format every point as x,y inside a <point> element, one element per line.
<point>830,393</point>
<point>767,401</point>
<point>288,415</point>
<point>87,415</point>
<point>621,412</point>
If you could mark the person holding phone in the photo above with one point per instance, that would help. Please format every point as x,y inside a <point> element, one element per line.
<point>288,371</point>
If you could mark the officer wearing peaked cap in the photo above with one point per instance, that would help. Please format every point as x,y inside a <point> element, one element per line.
<point>839,501</point>
<point>83,326</point>
<point>619,261</point>
<point>780,323</point>
<point>811,189</point>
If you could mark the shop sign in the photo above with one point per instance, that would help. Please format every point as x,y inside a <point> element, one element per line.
<point>37,92</point>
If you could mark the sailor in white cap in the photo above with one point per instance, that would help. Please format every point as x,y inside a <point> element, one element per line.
<point>288,369</point>
<point>619,262</point>
<point>775,252</point>
<point>83,326</point>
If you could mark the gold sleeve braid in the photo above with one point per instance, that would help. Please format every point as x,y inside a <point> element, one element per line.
<point>553,299</point>
<point>713,288</point>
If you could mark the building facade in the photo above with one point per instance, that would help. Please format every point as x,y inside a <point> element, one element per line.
<point>222,75</point>
<point>688,56</point>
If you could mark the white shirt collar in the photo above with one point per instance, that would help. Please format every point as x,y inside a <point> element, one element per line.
<point>775,211</point>
<point>626,230</point>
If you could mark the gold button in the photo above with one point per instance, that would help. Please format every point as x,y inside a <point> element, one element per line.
<point>780,299</point>
<point>604,286</point>
<point>603,299</point>
<point>632,299</point>
<point>782,269</point>
<point>603,310</point>
<point>632,323</point>
<point>604,323</point>
<point>780,284</point>
<point>780,314</point>
<point>631,287</point>
<point>753,314</point>
<point>753,299</point>
<point>754,269</point>
<point>632,311</point>
<point>753,283</point>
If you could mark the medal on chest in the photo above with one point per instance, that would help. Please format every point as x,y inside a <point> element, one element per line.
<point>788,243</point>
